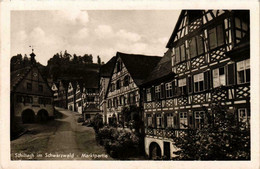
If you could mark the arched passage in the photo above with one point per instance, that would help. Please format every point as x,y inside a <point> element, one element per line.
<point>154,151</point>
<point>28,116</point>
<point>42,116</point>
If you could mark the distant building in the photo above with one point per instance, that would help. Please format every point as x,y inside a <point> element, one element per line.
<point>123,92</point>
<point>207,64</point>
<point>71,95</point>
<point>105,74</point>
<point>31,96</point>
<point>55,90</point>
<point>90,95</point>
<point>63,94</point>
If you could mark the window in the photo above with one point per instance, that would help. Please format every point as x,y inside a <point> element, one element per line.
<point>113,87</point>
<point>182,50</point>
<point>132,98</point>
<point>196,46</point>
<point>243,116</point>
<point>148,95</point>
<point>158,120</point>
<point>199,119</point>
<point>170,120</point>
<point>29,86</point>
<point>158,92</point>
<point>19,99</point>
<point>40,88</point>
<point>168,88</point>
<point>199,82</point>
<point>149,120</point>
<point>119,66</point>
<point>122,98</point>
<point>216,37</point>
<point>243,71</point>
<point>177,55</point>
<point>219,77</point>
<point>182,86</point>
<point>183,120</point>
<point>118,85</point>
<point>126,80</point>
<point>241,29</point>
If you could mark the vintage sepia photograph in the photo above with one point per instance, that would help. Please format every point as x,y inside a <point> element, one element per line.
<point>130,85</point>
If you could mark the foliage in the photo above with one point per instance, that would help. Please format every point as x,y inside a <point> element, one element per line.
<point>97,122</point>
<point>222,138</point>
<point>119,143</point>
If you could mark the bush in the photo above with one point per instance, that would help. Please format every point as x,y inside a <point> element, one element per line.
<point>80,120</point>
<point>119,143</point>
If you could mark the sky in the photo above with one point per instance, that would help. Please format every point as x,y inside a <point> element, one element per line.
<point>96,32</point>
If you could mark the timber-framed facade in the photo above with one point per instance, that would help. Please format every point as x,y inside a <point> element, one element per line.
<point>210,65</point>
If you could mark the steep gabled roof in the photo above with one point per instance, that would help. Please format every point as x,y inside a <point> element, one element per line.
<point>107,69</point>
<point>18,75</point>
<point>162,69</point>
<point>139,66</point>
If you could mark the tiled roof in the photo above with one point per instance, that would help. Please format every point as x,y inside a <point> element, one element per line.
<point>162,69</point>
<point>18,75</point>
<point>91,108</point>
<point>139,66</point>
<point>106,69</point>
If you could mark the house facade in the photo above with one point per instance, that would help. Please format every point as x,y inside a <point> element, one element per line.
<point>55,90</point>
<point>78,98</point>
<point>71,95</point>
<point>104,76</point>
<point>210,66</point>
<point>63,89</point>
<point>31,96</point>
<point>123,90</point>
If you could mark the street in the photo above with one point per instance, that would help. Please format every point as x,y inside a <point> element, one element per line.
<point>60,139</point>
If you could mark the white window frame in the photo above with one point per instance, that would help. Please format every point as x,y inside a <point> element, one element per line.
<point>168,89</point>
<point>199,116</point>
<point>183,120</point>
<point>148,95</point>
<point>197,79</point>
<point>149,120</point>
<point>181,84</point>
<point>158,92</point>
<point>219,80</point>
<point>159,119</point>
<point>170,122</point>
<point>245,118</point>
<point>242,66</point>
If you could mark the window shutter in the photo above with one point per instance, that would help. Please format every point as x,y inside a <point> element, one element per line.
<point>220,35</point>
<point>177,54</point>
<point>182,52</point>
<point>206,80</point>
<point>193,50</point>
<point>152,93</point>
<point>190,84</point>
<point>165,120</point>
<point>212,38</point>
<point>200,45</point>
<point>173,88</point>
<point>231,74</point>
<point>215,77</point>
<point>162,91</point>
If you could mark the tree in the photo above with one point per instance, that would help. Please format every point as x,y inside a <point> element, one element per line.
<point>222,138</point>
<point>98,60</point>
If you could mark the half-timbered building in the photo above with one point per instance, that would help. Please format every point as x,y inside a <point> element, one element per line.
<point>71,95</point>
<point>128,73</point>
<point>209,64</point>
<point>105,73</point>
<point>31,96</point>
